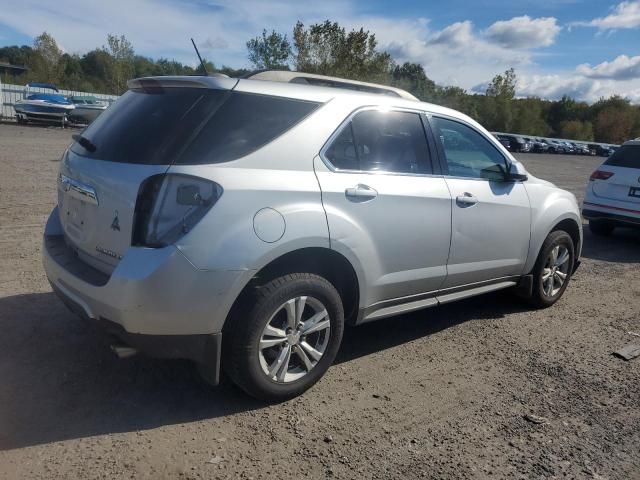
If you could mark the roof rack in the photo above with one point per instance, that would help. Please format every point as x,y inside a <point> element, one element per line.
<point>287,76</point>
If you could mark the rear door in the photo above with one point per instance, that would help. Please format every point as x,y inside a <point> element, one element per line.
<point>491,218</point>
<point>385,204</point>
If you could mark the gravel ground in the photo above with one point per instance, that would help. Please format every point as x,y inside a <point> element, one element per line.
<point>442,393</point>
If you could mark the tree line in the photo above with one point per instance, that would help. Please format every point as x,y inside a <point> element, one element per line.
<point>329,49</point>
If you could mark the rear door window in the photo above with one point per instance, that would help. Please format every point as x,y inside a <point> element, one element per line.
<point>627,156</point>
<point>165,126</point>
<point>374,140</point>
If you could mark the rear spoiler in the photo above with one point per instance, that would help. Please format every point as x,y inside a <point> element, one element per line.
<point>158,83</point>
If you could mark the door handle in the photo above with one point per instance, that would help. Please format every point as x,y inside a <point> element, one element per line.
<point>361,193</point>
<point>466,200</point>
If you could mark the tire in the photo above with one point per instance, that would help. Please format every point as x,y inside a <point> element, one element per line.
<point>265,319</point>
<point>542,296</point>
<point>601,228</point>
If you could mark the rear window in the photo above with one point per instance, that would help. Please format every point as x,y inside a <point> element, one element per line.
<point>627,156</point>
<point>189,126</point>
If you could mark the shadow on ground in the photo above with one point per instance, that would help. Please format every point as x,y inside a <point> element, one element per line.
<point>623,246</point>
<point>60,380</point>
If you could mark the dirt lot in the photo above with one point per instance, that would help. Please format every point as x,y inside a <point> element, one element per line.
<point>441,393</point>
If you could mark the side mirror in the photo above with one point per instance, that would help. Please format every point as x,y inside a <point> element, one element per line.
<point>514,176</point>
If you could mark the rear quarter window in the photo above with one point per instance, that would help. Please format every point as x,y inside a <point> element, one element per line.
<point>242,124</point>
<point>627,156</point>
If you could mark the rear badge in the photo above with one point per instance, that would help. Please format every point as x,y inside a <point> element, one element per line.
<point>109,253</point>
<point>115,225</point>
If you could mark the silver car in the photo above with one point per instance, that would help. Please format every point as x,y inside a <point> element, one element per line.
<point>242,223</point>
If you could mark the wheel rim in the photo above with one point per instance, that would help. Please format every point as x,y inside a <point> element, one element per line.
<point>294,339</point>
<point>556,270</point>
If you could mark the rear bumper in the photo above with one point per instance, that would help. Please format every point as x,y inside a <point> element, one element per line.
<point>625,220</point>
<point>151,291</point>
<point>203,349</point>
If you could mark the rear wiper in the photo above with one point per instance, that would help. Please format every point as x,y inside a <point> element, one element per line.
<point>85,142</point>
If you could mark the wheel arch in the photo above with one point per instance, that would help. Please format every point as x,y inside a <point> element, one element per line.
<point>568,223</point>
<point>570,226</point>
<point>328,263</point>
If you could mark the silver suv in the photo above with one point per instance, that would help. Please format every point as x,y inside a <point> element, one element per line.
<point>241,223</point>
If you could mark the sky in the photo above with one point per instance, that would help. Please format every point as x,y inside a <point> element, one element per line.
<point>583,48</point>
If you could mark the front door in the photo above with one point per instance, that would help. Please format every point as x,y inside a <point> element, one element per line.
<point>491,217</point>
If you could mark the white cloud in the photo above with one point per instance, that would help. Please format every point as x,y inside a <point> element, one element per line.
<point>456,35</point>
<point>577,86</point>
<point>623,15</point>
<point>621,68</point>
<point>524,32</point>
<point>455,55</point>
<point>214,43</point>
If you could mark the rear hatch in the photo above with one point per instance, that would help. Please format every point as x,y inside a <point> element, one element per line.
<point>624,184</point>
<point>137,137</point>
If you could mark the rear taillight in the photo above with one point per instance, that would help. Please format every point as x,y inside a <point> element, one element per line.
<point>600,175</point>
<point>169,206</point>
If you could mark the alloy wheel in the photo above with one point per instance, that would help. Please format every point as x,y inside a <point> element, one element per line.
<point>556,270</point>
<point>294,339</point>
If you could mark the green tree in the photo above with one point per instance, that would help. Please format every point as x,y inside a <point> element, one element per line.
<point>44,63</point>
<point>270,51</point>
<point>576,130</point>
<point>613,125</point>
<point>412,77</point>
<point>529,117</point>
<point>501,92</point>
<point>122,64</point>
<point>327,49</point>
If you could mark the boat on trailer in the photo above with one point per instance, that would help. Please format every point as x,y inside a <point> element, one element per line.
<point>36,106</point>
<point>87,108</point>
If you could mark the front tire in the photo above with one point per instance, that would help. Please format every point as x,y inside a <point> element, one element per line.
<point>601,228</point>
<point>286,339</point>
<point>553,269</point>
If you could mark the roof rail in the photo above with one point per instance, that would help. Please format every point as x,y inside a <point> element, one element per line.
<point>287,76</point>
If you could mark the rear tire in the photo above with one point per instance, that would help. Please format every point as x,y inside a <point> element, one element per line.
<point>285,338</point>
<point>553,269</point>
<point>601,228</point>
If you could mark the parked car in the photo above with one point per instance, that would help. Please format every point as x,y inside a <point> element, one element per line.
<point>518,144</point>
<point>613,193</point>
<point>557,147</point>
<point>568,146</point>
<point>537,145</point>
<point>242,223</point>
<point>503,141</point>
<point>581,148</point>
<point>550,147</point>
<point>600,150</point>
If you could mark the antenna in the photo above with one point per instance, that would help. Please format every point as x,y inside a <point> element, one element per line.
<point>204,67</point>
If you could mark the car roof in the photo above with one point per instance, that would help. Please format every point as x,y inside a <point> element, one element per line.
<point>632,142</point>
